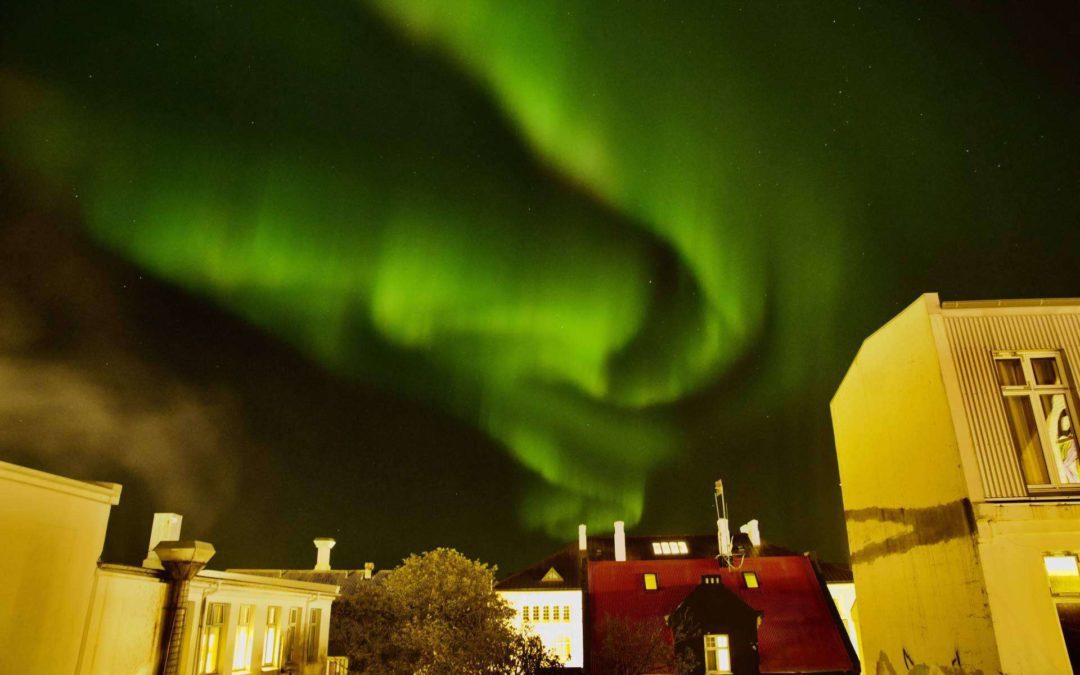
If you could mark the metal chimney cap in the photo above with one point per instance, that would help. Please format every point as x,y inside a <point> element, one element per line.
<point>185,551</point>
<point>184,559</point>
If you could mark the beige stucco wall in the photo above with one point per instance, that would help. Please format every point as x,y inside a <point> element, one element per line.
<point>53,529</point>
<point>909,524</point>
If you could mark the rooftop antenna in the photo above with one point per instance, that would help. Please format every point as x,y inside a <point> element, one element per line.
<point>718,498</point>
<point>723,533</point>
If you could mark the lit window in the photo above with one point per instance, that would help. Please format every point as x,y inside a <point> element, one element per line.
<point>1063,572</point>
<point>564,649</point>
<point>669,548</point>
<point>750,579</point>
<point>1039,405</point>
<point>271,655</point>
<point>212,638</point>
<point>289,638</point>
<point>314,628</point>
<point>650,581</point>
<point>717,654</point>
<point>245,639</point>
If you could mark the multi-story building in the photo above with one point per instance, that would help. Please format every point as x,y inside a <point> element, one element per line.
<point>63,611</point>
<point>958,463</point>
<point>680,604</point>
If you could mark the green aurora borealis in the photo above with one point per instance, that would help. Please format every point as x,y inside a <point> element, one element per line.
<point>634,245</point>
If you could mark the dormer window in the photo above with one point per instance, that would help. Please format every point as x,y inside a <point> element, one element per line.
<point>670,548</point>
<point>1040,408</point>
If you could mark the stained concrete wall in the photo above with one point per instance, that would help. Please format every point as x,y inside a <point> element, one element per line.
<point>125,625</point>
<point>909,520</point>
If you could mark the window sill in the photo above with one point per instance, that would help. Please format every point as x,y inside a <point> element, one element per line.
<point>1051,491</point>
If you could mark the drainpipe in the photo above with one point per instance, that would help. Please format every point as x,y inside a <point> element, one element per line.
<point>182,560</point>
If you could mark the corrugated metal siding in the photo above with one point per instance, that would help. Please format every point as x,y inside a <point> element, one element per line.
<point>973,338</point>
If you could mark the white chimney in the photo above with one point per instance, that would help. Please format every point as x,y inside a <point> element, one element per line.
<point>322,559</point>
<point>723,536</point>
<point>369,569</point>
<point>582,539</point>
<point>751,530</point>
<point>166,527</point>
<point>620,541</point>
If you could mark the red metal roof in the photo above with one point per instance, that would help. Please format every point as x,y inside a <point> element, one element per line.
<point>797,634</point>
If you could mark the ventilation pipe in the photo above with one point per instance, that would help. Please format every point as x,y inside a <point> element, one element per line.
<point>166,527</point>
<point>369,569</point>
<point>620,541</point>
<point>322,558</point>
<point>582,539</point>
<point>182,560</point>
<point>751,530</point>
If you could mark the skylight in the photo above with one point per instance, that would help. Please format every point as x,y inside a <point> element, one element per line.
<point>669,548</point>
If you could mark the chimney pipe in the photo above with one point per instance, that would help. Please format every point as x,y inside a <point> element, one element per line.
<point>620,541</point>
<point>166,527</point>
<point>582,539</point>
<point>369,569</point>
<point>751,530</point>
<point>322,558</point>
<point>181,560</point>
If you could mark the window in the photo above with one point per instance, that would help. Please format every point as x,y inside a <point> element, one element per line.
<point>669,548</point>
<point>525,614</point>
<point>717,654</point>
<point>566,613</point>
<point>547,613</point>
<point>750,579</point>
<point>213,636</point>
<point>289,638</point>
<point>245,639</point>
<point>1063,571</point>
<point>271,656</point>
<point>564,649</point>
<point>651,582</point>
<point>1040,408</point>
<point>313,630</point>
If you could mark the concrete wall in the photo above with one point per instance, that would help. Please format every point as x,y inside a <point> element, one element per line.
<point>909,521</point>
<point>1013,538</point>
<point>52,529</point>
<point>125,625</point>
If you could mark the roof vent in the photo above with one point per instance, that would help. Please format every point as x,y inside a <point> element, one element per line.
<point>552,577</point>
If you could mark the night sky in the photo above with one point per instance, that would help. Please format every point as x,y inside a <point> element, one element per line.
<point>415,274</point>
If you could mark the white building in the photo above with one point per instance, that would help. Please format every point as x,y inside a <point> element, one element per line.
<point>62,611</point>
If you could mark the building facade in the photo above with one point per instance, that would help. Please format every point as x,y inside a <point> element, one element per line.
<point>63,611</point>
<point>958,463</point>
<point>760,609</point>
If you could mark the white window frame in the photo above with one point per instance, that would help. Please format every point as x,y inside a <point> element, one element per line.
<point>717,650</point>
<point>204,637</point>
<point>1033,391</point>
